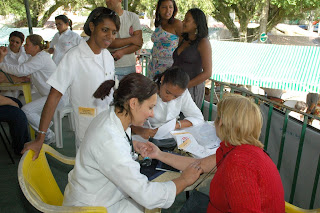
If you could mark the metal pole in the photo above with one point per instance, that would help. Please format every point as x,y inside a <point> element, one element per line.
<point>125,4</point>
<point>26,4</point>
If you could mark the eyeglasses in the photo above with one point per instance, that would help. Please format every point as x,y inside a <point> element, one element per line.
<point>104,11</point>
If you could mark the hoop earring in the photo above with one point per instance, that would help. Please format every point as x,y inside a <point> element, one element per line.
<point>196,31</point>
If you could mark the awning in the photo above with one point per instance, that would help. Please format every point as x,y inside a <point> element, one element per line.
<point>295,68</point>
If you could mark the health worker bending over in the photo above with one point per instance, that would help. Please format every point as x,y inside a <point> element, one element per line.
<point>105,173</point>
<point>246,179</point>
<point>173,98</point>
<point>40,66</point>
<point>82,70</point>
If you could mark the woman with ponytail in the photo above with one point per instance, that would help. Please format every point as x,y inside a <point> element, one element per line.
<point>40,67</point>
<point>173,99</point>
<point>64,39</point>
<point>105,171</point>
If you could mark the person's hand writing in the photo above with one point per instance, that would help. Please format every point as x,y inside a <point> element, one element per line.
<point>35,145</point>
<point>192,173</point>
<point>147,133</point>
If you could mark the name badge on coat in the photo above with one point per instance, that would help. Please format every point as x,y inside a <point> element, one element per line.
<point>88,112</point>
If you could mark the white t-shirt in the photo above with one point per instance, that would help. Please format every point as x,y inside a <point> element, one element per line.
<point>62,43</point>
<point>80,72</point>
<point>106,175</point>
<point>16,58</point>
<point>40,67</point>
<point>128,20</point>
<point>166,111</point>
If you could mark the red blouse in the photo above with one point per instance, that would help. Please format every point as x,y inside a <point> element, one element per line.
<point>246,181</point>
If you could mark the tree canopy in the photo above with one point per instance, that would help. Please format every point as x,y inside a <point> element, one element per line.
<point>245,11</point>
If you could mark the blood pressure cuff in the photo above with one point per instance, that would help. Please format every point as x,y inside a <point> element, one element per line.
<point>164,144</point>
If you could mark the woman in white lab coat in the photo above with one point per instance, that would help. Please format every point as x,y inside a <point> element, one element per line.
<point>105,173</point>
<point>40,66</point>
<point>173,98</point>
<point>81,71</point>
<point>64,39</point>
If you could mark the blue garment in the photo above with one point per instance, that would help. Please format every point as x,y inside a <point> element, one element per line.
<point>18,125</point>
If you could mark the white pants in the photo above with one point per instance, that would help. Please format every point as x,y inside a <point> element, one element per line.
<point>34,109</point>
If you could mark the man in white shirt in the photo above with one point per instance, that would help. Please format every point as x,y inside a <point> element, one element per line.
<point>128,40</point>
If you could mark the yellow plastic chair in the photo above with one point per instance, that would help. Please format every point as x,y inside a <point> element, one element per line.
<point>294,209</point>
<point>39,186</point>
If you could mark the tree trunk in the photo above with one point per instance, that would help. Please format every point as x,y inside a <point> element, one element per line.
<point>49,12</point>
<point>264,18</point>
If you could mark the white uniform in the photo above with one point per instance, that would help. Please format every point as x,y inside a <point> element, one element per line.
<point>166,111</point>
<point>106,175</point>
<point>16,58</point>
<point>40,67</point>
<point>61,43</point>
<point>82,72</point>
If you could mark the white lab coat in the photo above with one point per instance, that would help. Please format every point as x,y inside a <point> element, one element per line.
<point>16,58</point>
<point>106,175</point>
<point>62,43</point>
<point>82,74</point>
<point>166,111</point>
<point>40,67</point>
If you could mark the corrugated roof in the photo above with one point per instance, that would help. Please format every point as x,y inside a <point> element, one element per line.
<point>295,68</point>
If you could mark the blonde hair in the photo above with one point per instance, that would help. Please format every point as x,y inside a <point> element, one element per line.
<point>239,120</point>
<point>37,40</point>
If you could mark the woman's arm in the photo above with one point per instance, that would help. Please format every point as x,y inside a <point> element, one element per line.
<point>206,57</point>
<point>177,161</point>
<point>46,117</point>
<point>146,133</point>
<point>7,101</point>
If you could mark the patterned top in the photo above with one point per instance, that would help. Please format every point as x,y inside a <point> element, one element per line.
<point>164,44</point>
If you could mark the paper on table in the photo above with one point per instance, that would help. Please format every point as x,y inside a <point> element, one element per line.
<point>188,143</point>
<point>164,130</point>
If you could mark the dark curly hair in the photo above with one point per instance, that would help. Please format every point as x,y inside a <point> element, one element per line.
<point>98,15</point>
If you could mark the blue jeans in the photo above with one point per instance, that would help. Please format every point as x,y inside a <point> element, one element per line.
<point>123,71</point>
<point>18,124</point>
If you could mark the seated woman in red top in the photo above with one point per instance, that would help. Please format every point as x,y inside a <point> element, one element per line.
<point>246,179</point>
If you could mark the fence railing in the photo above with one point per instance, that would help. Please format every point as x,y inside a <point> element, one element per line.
<point>272,105</point>
<point>286,110</point>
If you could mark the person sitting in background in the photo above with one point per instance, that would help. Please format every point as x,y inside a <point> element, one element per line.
<point>173,98</point>
<point>16,55</point>
<point>128,40</point>
<point>312,102</point>
<point>81,71</point>
<point>301,106</point>
<point>40,66</point>
<point>165,38</point>
<point>246,179</point>
<point>11,113</point>
<point>194,54</point>
<point>64,39</point>
<point>105,173</point>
